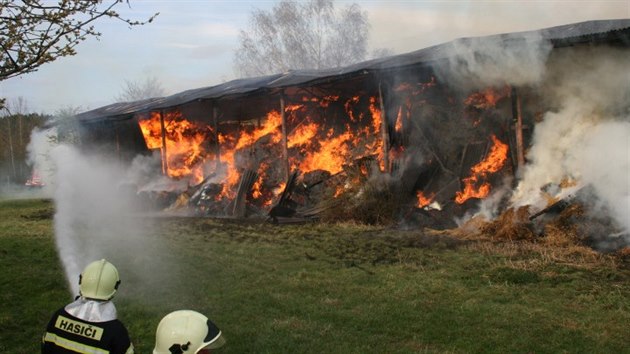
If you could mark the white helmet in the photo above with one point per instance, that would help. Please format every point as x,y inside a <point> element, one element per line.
<point>99,281</point>
<point>186,332</point>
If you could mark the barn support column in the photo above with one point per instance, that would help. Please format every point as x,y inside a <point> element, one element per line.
<point>164,152</point>
<point>384,130</point>
<point>518,127</point>
<point>215,127</point>
<point>285,151</point>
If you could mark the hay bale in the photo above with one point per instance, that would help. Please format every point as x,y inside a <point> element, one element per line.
<point>371,202</point>
<point>510,225</point>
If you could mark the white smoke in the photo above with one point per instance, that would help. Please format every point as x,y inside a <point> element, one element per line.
<point>97,216</point>
<point>587,138</point>
<point>490,207</point>
<point>38,160</point>
<point>605,164</point>
<point>496,61</point>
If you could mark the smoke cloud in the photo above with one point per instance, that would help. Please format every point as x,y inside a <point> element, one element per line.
<point>585,138</point>
<point>38,150</point>
<point>496,61</point>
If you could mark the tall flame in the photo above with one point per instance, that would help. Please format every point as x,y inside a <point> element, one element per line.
<point>316,146</point>
<point>476,185</point>
<point>331,155</point>
<point>184,140</point>
<point>246,140</point>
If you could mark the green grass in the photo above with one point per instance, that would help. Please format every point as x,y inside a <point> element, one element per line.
<point>332,289</point>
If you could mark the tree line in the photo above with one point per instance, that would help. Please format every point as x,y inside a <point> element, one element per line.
<point>15,135</point>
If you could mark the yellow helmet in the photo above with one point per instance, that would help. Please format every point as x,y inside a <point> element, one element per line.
<point>99,281</point>
<point>186,332</point>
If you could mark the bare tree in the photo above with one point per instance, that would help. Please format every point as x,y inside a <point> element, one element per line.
<point>302,35</point>
<point>138,90</point>
<point>67,125</point>
<point>67,112</point>
<point>36,32</point>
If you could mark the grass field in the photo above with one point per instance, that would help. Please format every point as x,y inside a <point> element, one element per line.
<point>334,289</point>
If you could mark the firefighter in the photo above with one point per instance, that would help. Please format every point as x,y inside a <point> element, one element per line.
<point>186,332</point>
<point>89,324</point>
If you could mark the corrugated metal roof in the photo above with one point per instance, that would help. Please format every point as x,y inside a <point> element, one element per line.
<point>601,30</point>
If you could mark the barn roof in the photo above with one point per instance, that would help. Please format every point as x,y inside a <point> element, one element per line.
<point>600,31</point>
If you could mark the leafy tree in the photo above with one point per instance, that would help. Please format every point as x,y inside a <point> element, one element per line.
<point>302,35</point>
<point>138,90</point>
<point>36,32</point>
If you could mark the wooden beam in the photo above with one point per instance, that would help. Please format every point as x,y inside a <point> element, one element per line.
<point>384,130</point>
<point>516,112</point>
<point>248,178</point>
<point>285,150</point>
<point>215,126</point>
<point>163,150</point>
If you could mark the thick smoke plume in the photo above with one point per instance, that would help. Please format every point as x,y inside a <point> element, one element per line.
<point>584,138</point>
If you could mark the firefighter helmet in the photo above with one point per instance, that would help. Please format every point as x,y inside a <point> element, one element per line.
<point>99,281</point>
<point>186,332</point>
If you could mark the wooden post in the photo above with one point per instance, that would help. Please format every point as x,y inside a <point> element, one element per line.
<point>516,112</point>
<point>285,150</point>
<point>118,152</point>
<point>248,178</point>
<point>215,126</point>
<point>384,130</point>
<point>164,153</point>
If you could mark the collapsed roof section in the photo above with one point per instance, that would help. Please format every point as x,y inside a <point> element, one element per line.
<point>610,32</point>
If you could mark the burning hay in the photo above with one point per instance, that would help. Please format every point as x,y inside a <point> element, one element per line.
<point>574,228</point>
<point>511,225</point>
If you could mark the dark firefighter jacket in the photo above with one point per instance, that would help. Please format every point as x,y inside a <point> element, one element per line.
<point>86,326</point>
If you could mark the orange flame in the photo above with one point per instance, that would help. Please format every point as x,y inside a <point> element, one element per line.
<point>185,153</point>
<point>330,156</point>
<point>277,190</point>
<point>314,144</point>
<point>245,141</point>
<point>348,107</point>
<point>487,98</point>
<point>317,147</point>
<point>302,135</point>
<point>256,193</point>
<point>422,200</point>
<point>377,146</point>
<point>493,163</point>
<point>399,118</point>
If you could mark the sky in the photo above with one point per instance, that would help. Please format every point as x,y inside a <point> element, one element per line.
<point>191,43</point>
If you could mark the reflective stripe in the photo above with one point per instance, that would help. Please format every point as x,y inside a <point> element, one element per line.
<point>130,349</point>
<point>72,345</point>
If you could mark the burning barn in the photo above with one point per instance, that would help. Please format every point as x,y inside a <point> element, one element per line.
<point>425,135</point>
